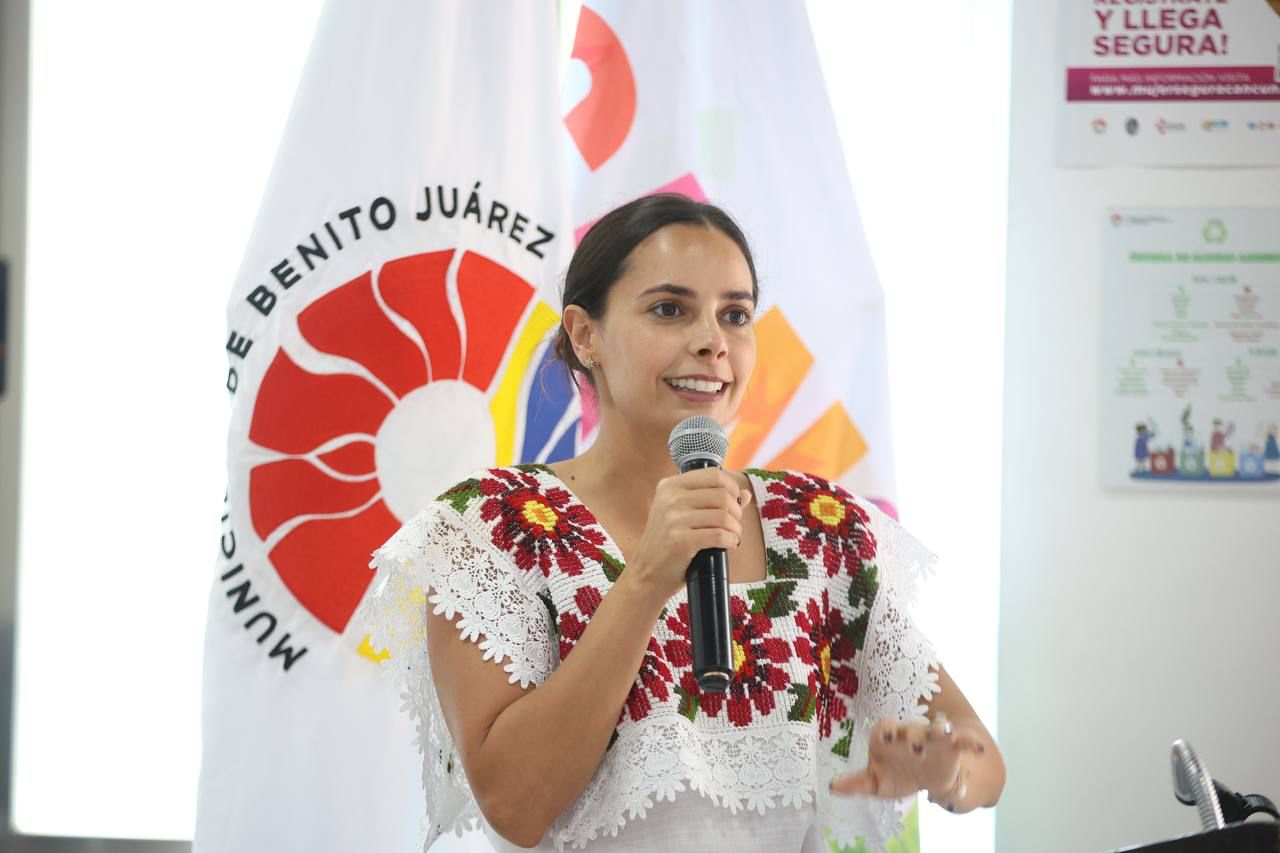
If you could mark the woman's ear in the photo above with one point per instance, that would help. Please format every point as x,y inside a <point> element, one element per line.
<point>581,331</point>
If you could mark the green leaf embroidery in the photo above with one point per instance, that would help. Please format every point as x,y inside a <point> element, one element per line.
<point>841,747</point>
<point>786,565</point>
<point>804,706</point>
<point>462,494</point>
<point>865,585</point>
<point>612,739</point>
<point>856,631</point>
<point>551,609</point>
<point>612,568</point>
<point>688,703</point>
<point>774,599</point>
<point>529,467</point>
<point>766,475</point>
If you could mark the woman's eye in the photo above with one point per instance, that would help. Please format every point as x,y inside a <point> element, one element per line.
<point>661,309</point>
<point>738,316</point>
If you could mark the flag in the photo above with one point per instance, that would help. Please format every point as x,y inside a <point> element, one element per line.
<point>726,102</point>
<point>387,333</point>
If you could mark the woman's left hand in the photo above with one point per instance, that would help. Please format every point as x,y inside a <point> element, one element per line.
<point>910,757</point>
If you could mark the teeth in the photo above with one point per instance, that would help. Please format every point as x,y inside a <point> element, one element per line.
<point>696,385</point>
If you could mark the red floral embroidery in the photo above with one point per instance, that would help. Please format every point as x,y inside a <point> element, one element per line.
<point>538,526</point>
<point>818,515</point>
<point>826,646</point>
<point>654,674</point>
<point>652,681</point>
<point>759,665</point>
<point>571,625</point>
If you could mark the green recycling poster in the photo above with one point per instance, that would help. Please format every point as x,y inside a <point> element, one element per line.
<point>1191,349</point>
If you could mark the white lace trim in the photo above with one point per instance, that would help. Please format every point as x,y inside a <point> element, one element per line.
<point>436,551</point>
<point>896,675</point>
<point>757,769</point>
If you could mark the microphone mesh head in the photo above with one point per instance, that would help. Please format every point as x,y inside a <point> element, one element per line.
<point>698,437</point>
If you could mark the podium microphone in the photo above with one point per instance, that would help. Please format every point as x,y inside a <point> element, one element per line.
<point>700,442</point>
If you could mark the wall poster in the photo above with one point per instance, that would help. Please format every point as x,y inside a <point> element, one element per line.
<point>1191,349</point>
<point>1170,83</point>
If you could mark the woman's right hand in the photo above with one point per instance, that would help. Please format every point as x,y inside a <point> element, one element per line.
<point>690,511</point>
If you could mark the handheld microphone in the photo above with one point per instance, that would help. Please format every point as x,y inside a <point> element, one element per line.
<point>700,442</point>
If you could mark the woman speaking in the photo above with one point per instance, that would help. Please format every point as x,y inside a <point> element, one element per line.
<point>537,618</point>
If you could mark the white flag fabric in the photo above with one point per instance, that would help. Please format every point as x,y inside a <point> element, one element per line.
<point>387,332</point>
<point>726,102</point>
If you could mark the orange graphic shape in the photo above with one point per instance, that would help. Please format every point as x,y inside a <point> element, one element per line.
<point>493,299</point>
<point>349,322</point>
<point>415,288</point>
<point>279,491</point>
<point>782,361</point>
<point>325,562</point>
<point>297,411</point>
<point>601,121</point>
<point>828,448</point>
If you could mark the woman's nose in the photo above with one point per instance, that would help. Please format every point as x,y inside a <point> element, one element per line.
<point>711,340</point>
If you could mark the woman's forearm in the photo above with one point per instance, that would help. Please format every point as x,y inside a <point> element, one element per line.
<point>982,772</point>
<point>543,749</point>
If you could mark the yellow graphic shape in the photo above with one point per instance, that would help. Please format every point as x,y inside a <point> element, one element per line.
<point>366,650</point>
<point>409,599</point>
<point>827,509</point>
<point>828,448</point>
<point>825,659</point>
<point>782,360</point>
<point>507,398</point>
<point>536,512</point>
<point>739,655</point>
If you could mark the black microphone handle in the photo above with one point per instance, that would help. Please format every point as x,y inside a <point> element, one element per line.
<point>707,585</point>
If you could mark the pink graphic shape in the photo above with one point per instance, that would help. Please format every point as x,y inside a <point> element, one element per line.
<point>1238,83</point>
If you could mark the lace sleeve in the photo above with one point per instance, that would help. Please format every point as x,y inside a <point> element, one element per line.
<point>895,667</point>
<point>436,559</point>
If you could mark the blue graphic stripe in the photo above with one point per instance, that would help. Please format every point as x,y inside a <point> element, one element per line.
<point>550,396</point>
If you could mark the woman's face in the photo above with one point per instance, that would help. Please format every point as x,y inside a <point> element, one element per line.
<point>677,336</point>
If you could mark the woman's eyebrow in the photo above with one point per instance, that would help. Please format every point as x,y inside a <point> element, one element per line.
<point>689,293</point>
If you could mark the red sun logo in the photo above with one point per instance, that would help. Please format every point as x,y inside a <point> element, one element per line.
<point>390,404</point>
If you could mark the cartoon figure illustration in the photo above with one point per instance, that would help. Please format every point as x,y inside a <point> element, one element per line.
<point>1142,445</point>
<point>1191,459</point>
<point>1189,442</point>
<point>1271,451</point>
<point>1220,434</point>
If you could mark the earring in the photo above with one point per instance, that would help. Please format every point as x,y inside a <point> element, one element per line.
<point>590,363</point>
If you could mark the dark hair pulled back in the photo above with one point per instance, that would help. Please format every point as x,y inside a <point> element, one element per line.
<point>601,257</point>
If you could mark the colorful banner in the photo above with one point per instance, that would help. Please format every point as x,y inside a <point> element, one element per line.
<point>1191,349</point>
<point>386,335</point>
<point>727,103</point>
<point>1172,84</point>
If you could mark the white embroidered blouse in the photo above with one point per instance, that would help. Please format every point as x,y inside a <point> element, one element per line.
<point>824,647</point>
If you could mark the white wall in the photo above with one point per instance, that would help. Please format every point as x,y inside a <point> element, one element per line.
<point>929,177</point>
<point>1126,620</point>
